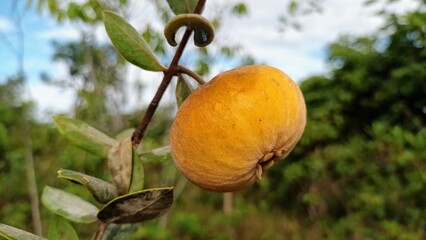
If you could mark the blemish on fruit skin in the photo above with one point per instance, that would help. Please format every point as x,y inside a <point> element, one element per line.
<point>276,82</point>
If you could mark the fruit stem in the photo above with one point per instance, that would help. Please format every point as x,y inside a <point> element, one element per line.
<point>192,74</point>
<point>168,75</point>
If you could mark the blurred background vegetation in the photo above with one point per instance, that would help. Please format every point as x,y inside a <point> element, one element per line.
<point>359,171</point>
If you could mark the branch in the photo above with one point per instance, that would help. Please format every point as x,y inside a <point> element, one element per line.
<point>168,75</point>
<point>101,231</point>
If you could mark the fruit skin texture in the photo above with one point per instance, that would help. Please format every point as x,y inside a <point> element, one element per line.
<point>232,128</point>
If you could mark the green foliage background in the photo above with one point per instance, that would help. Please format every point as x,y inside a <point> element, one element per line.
<point>359,172</point>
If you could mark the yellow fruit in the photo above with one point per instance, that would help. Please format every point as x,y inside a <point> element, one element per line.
<point>228,131</point>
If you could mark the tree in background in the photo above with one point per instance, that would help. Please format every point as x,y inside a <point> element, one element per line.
<point>360,170</point>
<point>12,152</point>
<point>96,75</point>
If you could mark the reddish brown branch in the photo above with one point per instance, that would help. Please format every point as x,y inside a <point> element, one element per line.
<point>168,75</point>
<point>101,231</point>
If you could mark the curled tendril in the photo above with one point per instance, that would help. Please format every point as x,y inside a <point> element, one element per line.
<point>203,29</point>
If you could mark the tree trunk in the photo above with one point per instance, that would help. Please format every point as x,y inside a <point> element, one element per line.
<point>227,203</point>
<point>32,184</point>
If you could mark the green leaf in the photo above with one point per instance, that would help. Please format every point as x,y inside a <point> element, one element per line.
<point>85,136</point>
<point>240,9</point>
<point>293,6</point>
<point>138,174</point>
<point>182,6</point>
<point>182,90</point>
<point>12,233</point>
<point>59,228</point>
<point>120,164</point>
<point>158,155</point>
<point>52,5</point>
<point>137,207</point>
<point>203,29</point>
<point>119,231</point>
<point>369,2</point>
<point>129,43</point>
<point>101,190</point>
<point>73,10</point>
<point>68,205</point>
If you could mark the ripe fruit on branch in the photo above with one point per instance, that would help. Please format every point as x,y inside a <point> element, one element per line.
<point>228,131</point>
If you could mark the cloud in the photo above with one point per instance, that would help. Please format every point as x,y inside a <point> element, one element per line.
<point>50,100</point>
<point>67,33</point>
<point>5,25</point>
<point>299,53</point>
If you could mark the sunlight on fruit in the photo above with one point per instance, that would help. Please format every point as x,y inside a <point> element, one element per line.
<point>230,130</point>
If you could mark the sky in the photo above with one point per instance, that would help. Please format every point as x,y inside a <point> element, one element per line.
<point>299,53</point>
